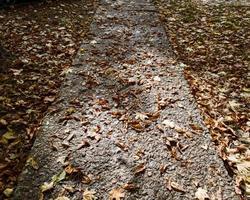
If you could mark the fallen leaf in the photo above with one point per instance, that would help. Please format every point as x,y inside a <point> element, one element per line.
<point>87,179</point>
<point>55,179</point>
<point>130,186</point>
<point>9,135</point>
<point>196,127</point>
<point>3,122</point>
<point>46,186</point>
<point>175,186</point>
<point>168,123</point>
<point>163,168</point>
<point>70,169</point>
<point>121,145</point>
<point>140,116</point>
<point>83,144</point>
<point>8,192</point>
<point>32,162</point>
<point>59,177</point>
<point>136,125</point>
<point>157,79</point>
<point>62,198</point>
<point>117,194</point>
<point>89,195</point>
<point>201,194</point>
<point>49,99</point>
<point>140,168</point>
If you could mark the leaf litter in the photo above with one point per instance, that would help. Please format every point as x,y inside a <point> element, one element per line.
<point>138,121</point>
<point>38,42</point>
<point>211,38</point>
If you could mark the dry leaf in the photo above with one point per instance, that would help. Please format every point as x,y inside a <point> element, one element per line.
<point>168,123</point>
<point>157,79</point>
<point>62,198</point>
<point>46,186</point>
<point>117,194</point>
<point>163,168</point>
<point>8,192</point>
<point>32,162</point>
<point>175,186</point>
<point>139,169</point>
<point>70,169</point>
<point>121,145</point>
<point>89,195</point>
<point>130,186</point>
<point>201,194</point>
<point>136,125</point>
<point>83,144</point>
<point>141,116</point>
<point>86,179</point>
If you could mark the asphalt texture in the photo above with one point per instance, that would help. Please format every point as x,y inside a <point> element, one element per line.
<point>126,116</point>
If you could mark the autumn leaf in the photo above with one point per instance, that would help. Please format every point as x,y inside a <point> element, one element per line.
<point>130,186</point>
<point>136,125</point>
<point>32,162</point>
<point>171,185</point>
<point>141,116</point>
<point>8,192</point>
<point>89,195</point>
<point>47,186</point>
<point>116,194</point>
<point>54,180</point>
<point>140,168</point>
<point>201,194</point>
<point>9,135</point>
<point>168,123</point>
<point>62,198</point>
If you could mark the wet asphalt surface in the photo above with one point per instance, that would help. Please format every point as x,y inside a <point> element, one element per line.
<point>126,116</point>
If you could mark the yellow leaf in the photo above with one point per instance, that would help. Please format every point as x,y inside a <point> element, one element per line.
<point>32,162</point>
<point>8,192</point>
<point>47,186</point>
<point>9,135</point>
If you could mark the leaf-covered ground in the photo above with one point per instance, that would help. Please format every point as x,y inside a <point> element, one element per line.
<point>213,41</point>
<point>37,43</point>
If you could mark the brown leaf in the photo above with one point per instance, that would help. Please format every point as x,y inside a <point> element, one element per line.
<point>136,125</point>
<point>83,144</point>
<point>139,169</point>
<point>175,186</point>
<point>130,186</point>
<point>70,169</point>
<point>86,179</point>
<point>121,145</point>
<point>49,99</point>
<point>196,127</point>
<point>163,168</point>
